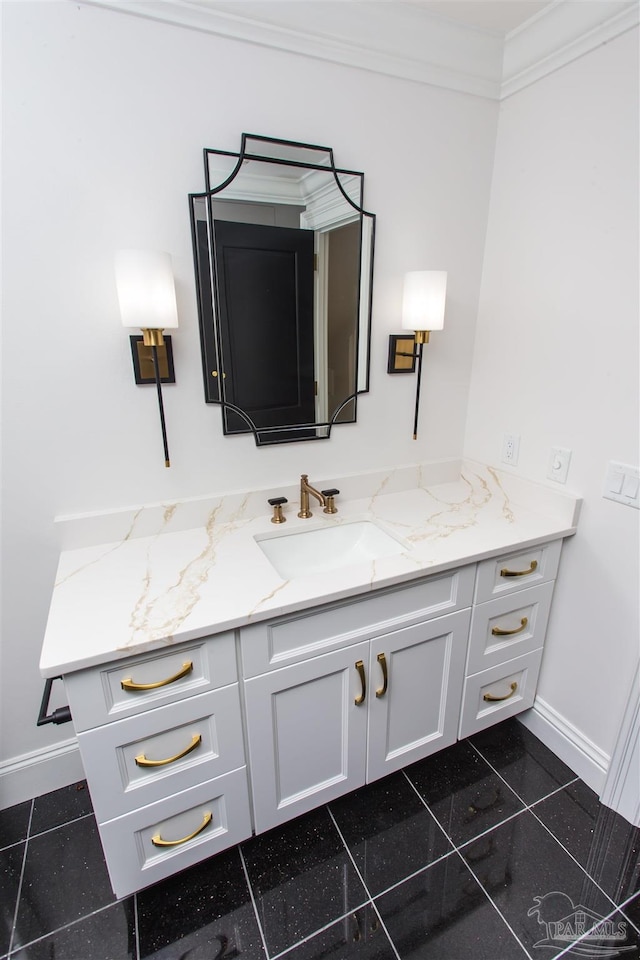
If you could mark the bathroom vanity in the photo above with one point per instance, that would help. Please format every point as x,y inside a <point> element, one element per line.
<point>213,698</point>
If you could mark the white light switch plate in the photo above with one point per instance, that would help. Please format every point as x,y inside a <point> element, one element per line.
<point>622,484</point>
<point>559,464</point>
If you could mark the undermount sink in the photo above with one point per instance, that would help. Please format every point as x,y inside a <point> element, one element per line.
<point>304,552</point>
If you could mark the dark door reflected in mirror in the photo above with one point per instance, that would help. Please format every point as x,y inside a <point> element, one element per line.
<point>283,255</point>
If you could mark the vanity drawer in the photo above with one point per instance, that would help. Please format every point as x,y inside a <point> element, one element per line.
<point>130,686</point>
<point>508,627</point>
<point>516,571</point>
<point>276,643</point>
<point>513,683</point>
<point>190,741</point>
<point>134,861</point>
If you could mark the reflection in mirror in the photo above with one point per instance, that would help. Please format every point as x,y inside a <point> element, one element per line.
<point>283,255</point>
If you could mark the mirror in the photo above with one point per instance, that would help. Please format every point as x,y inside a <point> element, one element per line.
<point>283,253</point>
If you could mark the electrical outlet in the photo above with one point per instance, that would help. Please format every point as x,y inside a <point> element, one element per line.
<point>559,464</point>
<point>510,448</point>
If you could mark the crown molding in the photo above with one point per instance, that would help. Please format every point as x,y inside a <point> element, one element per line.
<point>393,38</point>
<point>401,39</point>
<point>559,34</point>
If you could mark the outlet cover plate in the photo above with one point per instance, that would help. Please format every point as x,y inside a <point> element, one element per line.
<point>510,448</point>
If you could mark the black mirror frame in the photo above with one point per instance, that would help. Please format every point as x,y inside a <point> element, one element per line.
<point>210,335</point>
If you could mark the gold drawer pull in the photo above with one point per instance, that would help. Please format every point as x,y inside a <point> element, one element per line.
<point>363,683</point>
<point>129,684</point>
<point>143,761</point>
<point>499,632</point>
<point>492,699</point>
<point>519,573</point>
<point>157,840</point>
<point>385,676</point>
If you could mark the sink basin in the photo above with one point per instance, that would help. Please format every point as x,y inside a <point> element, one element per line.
<point>328,548</point>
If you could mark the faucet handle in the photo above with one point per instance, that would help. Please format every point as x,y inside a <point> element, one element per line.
<point>329,495</point>
<point>276,503</point>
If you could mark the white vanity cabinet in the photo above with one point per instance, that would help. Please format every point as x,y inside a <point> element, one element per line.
<point>510,614</point>
<point>190,748</point>
<point>161,739</point>
<point>388,692</point>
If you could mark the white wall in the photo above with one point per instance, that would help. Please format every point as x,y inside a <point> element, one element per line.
<point>105,118</point>
<point>556,356</point>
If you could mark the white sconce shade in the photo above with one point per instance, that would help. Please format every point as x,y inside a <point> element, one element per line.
<point>423,300</point>
<point>146,290</point>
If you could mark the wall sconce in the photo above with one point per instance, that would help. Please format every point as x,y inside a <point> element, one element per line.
<point>147,298</point>
<point>423,302</point>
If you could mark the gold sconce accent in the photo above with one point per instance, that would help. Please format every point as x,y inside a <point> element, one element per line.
<point>423,305</point>
<point>147,298</point>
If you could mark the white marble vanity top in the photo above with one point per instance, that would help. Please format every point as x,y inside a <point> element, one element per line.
<point>182,571</point>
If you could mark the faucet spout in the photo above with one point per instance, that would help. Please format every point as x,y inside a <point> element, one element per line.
<point>305,490</point>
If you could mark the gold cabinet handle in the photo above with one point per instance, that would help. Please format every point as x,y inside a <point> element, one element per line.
<point>157,840</point>
<point>382,660</point>
<point>492,699</point>
<point>499,632</point>
<point>130,684</point>
<point>505,572</point>
<point>363,683</point>
<point>143,761</point>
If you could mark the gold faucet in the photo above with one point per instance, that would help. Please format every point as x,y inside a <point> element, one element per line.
<point>324,498</point>
<point>305,490</point>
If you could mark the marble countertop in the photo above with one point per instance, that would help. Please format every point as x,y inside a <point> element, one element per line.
<point>160,584</point>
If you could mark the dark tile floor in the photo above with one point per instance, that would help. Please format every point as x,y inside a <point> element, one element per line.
<point>490,850</point>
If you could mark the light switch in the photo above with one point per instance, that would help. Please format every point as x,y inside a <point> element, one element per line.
<point>622,484</point>
<point>615,482</point>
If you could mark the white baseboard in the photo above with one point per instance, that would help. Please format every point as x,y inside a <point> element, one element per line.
<point>622,789</point>
<point>568,743</point>
<point>39,772</point>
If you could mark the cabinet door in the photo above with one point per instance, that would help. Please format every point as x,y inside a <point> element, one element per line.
<point>307,735</point>
<point>417,714</point>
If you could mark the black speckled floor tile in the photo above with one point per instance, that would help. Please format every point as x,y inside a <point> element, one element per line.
<point>60,806</point>
<point>106,935</point>
<point>14,822</point>
<point>65,878</point>
<point>463,793</point>
<point>200,914</point>
<point>514,873</point>
<point>443,914</point>
<point>531,878</point>
<point>631,911</point>
<point>528,766</point>
<point>302,879</point>
<point>601,840</point>
<point>358,936</point>
<point>389,832</point>
<point>10,868</point>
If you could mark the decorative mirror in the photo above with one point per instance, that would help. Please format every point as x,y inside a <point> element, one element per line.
<point>283,252</point>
